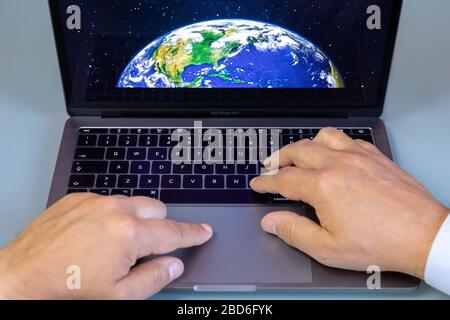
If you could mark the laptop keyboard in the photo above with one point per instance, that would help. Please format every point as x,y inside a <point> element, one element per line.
<point>137,162</point>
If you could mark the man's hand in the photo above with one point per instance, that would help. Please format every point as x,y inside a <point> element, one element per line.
<point>370,211</point>
<point>104,237</point>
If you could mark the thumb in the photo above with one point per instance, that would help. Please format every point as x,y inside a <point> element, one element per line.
<point>299,232</point>
<point>150,277</point>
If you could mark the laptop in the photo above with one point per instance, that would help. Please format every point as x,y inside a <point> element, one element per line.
<point>182,101</point>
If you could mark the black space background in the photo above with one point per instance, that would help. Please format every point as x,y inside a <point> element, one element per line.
<point>337,26</point>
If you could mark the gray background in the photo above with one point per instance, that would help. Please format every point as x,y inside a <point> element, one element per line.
<point>33,114</point>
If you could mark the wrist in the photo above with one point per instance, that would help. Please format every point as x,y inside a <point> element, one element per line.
<point>8,285</point>
<point>5,291</point>
<point>424,239</point>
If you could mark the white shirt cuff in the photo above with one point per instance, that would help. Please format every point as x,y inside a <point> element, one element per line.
<point>437,272</point>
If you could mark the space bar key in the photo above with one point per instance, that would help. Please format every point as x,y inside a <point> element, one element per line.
<point>211,196</point>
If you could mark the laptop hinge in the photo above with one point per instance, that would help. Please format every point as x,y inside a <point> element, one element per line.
<point>218,114</point>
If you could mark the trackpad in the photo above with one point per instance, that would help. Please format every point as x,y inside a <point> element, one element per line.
<point>240,253</point>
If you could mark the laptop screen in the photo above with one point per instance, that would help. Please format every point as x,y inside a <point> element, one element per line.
<point>142,53</point>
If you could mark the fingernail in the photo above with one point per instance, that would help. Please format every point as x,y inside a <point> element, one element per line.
<point>175,270</point>
<point>207,228</point>
<point>267,162</point>
<point>269,225</point>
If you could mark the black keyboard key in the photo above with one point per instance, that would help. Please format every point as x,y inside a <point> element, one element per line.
<point>160,131</point>
<point>215,156</point>
<point>282,131</point>
<point>90,167</point>
<point>71,191</point>
<point>140,167</point>
<point>277,198</point>
<point>365,138</point>
<point>237,182</point>
<point>136,154</point>
<point>272,142</point>
<point>225,169</point>
<point>291,139</point>
<point>102,192</point>
<point>128,141</point>
<point>87,140</point>
<point>166,141</point>
<point>139,131</point>
<point>127,182</point>
<point>80,181</point>
<point>121,192</point>
<point>214,182</point>
<point>107,141</point>
<point>161,167</point>
<point>171,182</point>
<point>346,131</point>
<point>301,131</point>
<point>93,131</point>
<point>264,154</point>
<point>119,131</point>
<point>106,181</point>
<point>250,178</point>
<point>182,169</point>
<point>212,197</point>
<point>247,169</point>
<point>90,153</point>
<point>203,169</point>
<point>362,131</point>
<point>148,141</point>
<point>151,193</point>
<point>193,182</point>
<point>197,155</point>
<point>243,155</point>
<point>157,154</point>
<point>149,182</point>
<point>119,167</point>
<point>115,154</point>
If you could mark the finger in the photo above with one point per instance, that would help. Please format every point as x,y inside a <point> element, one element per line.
<point>165,236</point>
<point>334,139</point>
<point>293,183</point>
<point>368,146</point>
<point>148,208</point>
<point>305,153</point>
<point>139,207</point>
<point>149,278</point>
<point>299,232</point>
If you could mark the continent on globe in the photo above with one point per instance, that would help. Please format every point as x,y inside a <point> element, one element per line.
<point>231,54</point>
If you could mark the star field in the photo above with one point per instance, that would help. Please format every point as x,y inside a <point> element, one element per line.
<point>338,27</point>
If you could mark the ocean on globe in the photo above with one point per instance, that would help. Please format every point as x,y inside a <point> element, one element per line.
<point>231,54</point>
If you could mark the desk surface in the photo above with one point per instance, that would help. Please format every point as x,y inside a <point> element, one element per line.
<point>32,112</point>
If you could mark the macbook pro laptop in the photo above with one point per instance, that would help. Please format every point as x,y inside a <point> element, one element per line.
<point>234,81</point>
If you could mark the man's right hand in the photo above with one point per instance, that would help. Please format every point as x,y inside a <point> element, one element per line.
<point>371,212</point>
<point>104,237</point>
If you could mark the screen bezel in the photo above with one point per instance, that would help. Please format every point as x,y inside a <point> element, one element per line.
<point>233,108</point>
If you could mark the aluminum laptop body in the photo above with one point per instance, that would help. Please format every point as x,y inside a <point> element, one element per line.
<point>144,66</point>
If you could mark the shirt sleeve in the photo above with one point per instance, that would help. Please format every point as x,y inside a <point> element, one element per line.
<point>437,272</point>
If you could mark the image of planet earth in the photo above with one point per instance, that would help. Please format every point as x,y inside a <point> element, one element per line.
<point>231,54</point>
